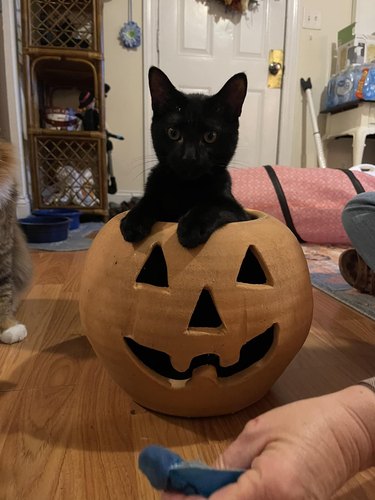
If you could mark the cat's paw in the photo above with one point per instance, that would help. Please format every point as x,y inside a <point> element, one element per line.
<point>13,334</point>
<point>192,233</point>
<point>133,229</point>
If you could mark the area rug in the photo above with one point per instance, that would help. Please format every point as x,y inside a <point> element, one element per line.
<point>78,239</point>
<point>325,275</point>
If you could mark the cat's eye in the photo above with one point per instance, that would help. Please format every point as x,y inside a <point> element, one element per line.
<point>210,137</point>
<point>174,134</point>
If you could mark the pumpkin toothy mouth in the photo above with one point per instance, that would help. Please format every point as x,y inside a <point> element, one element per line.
<point>160,362</point>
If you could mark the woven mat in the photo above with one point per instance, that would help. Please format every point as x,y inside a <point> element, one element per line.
<point>325,275</point>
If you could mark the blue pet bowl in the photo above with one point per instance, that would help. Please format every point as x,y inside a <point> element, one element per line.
<point>39,229</point>
<point>73,215</point>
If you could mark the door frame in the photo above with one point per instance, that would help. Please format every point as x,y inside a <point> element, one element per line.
<point>15,108</point>
<point>288,91</point>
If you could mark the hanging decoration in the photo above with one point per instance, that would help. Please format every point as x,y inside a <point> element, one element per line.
<point>240,5</point>
<point>130,33</point>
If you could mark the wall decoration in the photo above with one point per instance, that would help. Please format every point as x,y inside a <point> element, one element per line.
<point>241,6</point>
<point>230,9</point>
<point>130,33</point>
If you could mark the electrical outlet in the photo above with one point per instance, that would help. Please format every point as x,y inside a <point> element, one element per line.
<point>312,19</point>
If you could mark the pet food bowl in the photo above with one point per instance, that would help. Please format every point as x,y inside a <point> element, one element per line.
<point>73,215</point>
<point>60,119</point>
<point>40,229</point>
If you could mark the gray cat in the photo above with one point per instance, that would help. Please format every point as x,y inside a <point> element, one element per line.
<point>15,259</point>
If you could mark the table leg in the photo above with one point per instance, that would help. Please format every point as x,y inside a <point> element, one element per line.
<point>359,143</point>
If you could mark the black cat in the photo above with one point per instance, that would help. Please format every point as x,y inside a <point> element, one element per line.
<point>194,137</point>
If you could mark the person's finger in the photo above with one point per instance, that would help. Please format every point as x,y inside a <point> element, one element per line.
<point>249,444</point>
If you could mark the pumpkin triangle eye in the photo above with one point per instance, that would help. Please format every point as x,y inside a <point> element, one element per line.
<point>251,271</point>
<point>154,272</point>
<point>205,313</point>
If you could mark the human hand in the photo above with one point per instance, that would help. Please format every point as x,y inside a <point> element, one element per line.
<point>303,450</point>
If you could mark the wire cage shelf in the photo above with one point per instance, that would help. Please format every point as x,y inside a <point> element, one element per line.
<point>63,56</point>
<point>66,172</point>
<point>64,24</point>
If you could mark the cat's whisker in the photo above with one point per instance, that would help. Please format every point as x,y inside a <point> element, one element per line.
<point>140,160</point>
<point>141,171</point>
<point>236,167</point>
<point>238,164</point>
<point>140,167</point>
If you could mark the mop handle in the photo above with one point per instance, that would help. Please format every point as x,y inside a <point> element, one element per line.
<point>306,87</point>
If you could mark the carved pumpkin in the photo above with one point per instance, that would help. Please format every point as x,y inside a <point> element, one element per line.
<point>197,332</point>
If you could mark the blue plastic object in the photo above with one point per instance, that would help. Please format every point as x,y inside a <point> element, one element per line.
<point>73,215</point>
<point>342,88</point>
<point>40,229</point>
<point>355,83</point>
<point>168,471</point>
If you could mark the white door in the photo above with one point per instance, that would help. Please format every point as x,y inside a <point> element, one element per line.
<point>201,45</point>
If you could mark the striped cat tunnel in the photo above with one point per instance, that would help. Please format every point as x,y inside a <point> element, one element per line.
<point>309,200</point>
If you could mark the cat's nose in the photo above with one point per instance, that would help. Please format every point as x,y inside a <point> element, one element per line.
<point>190,153</point>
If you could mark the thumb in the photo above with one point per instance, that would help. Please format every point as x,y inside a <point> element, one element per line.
<point>241,453</point>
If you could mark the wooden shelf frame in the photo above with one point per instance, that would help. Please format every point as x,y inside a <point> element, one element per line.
<point>64,62</point>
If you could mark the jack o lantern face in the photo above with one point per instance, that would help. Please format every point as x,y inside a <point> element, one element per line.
<point>205,318</point>
<point>200,331</point>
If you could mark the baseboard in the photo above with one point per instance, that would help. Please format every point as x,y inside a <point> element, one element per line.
<point>124,196</point>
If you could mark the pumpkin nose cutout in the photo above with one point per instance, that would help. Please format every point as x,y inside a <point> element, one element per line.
<point>205,314</point>
<point>251,271</point>
<point>154,271</point>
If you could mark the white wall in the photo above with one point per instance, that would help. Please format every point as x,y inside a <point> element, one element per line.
<point>315,48</point>
<point>124,104</point>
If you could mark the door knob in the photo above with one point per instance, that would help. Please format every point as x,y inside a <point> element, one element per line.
<point>274,68</point>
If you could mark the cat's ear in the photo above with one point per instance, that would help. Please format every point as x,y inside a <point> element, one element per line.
<point>161,89</point>
<point>231,97</point>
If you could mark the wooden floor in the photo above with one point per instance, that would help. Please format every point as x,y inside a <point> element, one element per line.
<point>67,431</point>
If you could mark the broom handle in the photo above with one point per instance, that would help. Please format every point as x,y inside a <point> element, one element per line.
<point>306,86</point>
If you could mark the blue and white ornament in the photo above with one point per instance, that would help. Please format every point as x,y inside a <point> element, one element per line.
<point>130,33</point>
